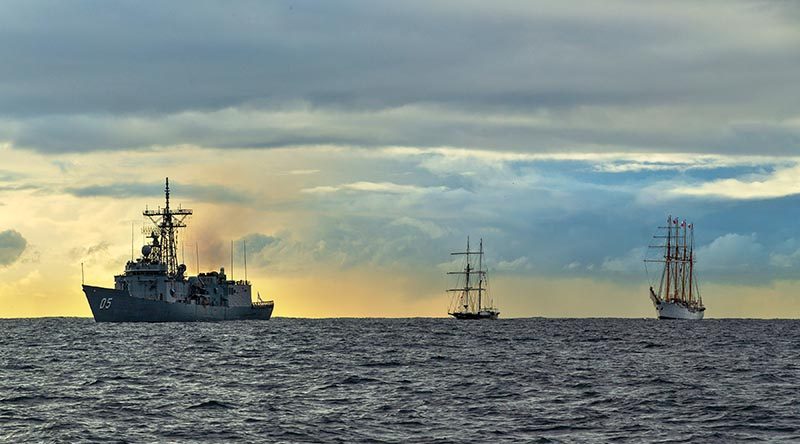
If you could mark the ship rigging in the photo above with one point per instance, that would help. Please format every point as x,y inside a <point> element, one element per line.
<point>472,299</point>
<point>678,294</point>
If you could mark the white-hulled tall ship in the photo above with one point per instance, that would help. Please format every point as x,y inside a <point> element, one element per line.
<point>471,301</point>
<point>155,288</point>
<point>678,295</point>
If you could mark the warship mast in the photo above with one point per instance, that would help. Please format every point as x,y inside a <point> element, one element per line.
<point>168,221</point>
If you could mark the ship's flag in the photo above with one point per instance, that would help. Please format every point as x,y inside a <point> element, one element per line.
<point>683,224</point>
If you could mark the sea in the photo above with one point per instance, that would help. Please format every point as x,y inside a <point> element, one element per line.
<point>420,380</point>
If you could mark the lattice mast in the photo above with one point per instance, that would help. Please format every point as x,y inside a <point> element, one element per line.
<point>168,221</point>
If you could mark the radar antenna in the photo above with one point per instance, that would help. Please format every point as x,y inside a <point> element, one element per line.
<point>168,221</point>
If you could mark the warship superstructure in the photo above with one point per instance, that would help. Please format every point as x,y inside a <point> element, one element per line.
<point>155,287</point>
<point>678,295</point>
<point>471,299</point>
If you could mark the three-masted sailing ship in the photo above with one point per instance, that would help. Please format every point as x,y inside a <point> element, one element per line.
<point>471,298</point>
<point>678,295</point>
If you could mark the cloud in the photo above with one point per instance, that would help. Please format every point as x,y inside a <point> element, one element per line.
<point>122,190</point>
<point>785,256</point>
<point>323,189</point>
<point>404,208</point>
<point>528,77</point>
<point>631,262</point>
<point>12,244</point>
<point>734,253</point>
<point>11,176</point>
<point>285,253</point>
<point>345,242</point>
<point>431,229</point>
<point>91,252</point>
<point>779,183</point>
<point>407,207</point>
<point>780,260</point>
<point>374,187</point>
<point>519,264</point>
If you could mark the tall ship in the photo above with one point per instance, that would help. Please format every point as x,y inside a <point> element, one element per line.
<point>155,287</point>
<point>470,297</point>
<point>678,294</point>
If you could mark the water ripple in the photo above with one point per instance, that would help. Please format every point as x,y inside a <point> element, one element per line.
<point>403,380</point>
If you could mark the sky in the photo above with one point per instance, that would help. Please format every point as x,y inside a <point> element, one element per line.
<point>354,144</point>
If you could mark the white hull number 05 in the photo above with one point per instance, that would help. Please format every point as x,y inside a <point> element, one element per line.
<point>105,303</point>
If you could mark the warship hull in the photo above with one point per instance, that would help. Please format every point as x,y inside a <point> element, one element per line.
<point>676,310</point>
<point>110,305</point>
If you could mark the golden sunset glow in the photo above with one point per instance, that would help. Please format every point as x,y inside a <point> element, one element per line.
<point>352,155</point>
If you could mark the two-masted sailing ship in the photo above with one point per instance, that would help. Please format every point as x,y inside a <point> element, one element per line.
<point>155,287</point>
<point>471,298</point>
<point>677,295</point>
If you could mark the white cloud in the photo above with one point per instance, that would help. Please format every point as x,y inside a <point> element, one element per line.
<point>602,160</point>
<point>431,229</point>
<point>780,260</point>
<point>320,190</point>
<point>782,182</point>
<point>631,262</point>
<point>785,255</point>
<point>388,187</point>
<point>733,252</point>
<point>519,264</point>
<point>375,187</point>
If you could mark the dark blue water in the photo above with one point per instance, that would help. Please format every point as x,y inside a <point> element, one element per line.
<point>409,380</point>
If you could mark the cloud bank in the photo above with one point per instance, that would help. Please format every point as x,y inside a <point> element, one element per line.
<point>529,77</point>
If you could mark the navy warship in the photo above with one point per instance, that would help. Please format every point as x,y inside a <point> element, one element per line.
<point>155,288</point>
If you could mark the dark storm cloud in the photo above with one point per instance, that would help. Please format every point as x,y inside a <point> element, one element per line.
<point>84,76</point>
<point>202,193</point>
<point>12,244</point>
<point>131,57</point>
